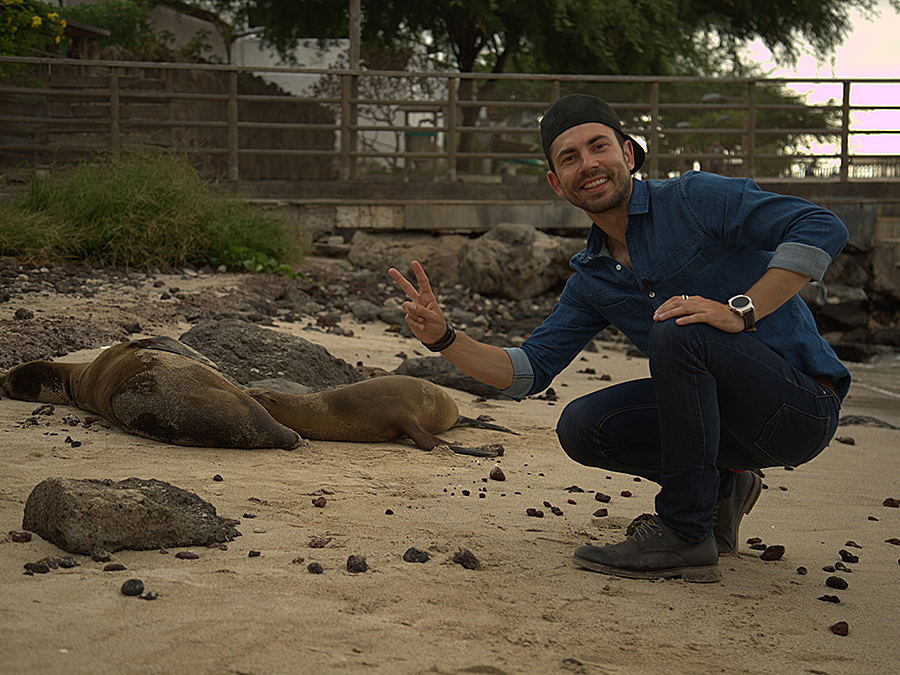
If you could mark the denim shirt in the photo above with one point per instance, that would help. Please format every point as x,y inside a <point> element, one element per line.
<point>698,234</point>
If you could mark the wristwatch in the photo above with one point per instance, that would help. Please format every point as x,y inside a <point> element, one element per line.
<point>742,305</point>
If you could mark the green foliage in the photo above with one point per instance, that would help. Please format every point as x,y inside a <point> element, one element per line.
<point>127,22</point>
<point>27,28</point>
<point>146,210</point>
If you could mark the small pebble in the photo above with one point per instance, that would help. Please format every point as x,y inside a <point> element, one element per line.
<point>893,540</point>
<point>892,503</point>
<point>99,554</point>
<point>840,628</point>
<point>254,554</point>
<point>837,582</point>
<point>20,537</point>
<point>319,542</point>
<point>626,493</point>
<point>846,440</point>
<point>133,587</point>
<point>497,474</point>
<point>388,512</point>
<point>601,513</point>
<point>149,595</point>
<point>186,555</point>
<point>357,564</point>
<point>114,567</point>
<point>314,568</point>
<point>259,529</point>
<point>773,553</point>
<point>39,567</point>
<point>571,501</point>
<point>828,568</point>
<point>534,513</point>
<point>556,511</point>
<point>848,557</point>
<point>759,546</point>
<point>754,540</point>
<point>67,562</point>
<point>466,558</point>
<point>802,570</point>
<point>218,478</point>
<point>574,488</point>
<point>830,598</point>
<point>842,567</point>
<point>414,555</point>
<point>853,544</point>
<point>319,502</point>
<point>600,497</point>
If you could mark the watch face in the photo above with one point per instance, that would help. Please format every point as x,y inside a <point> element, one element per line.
<point>740,302</point>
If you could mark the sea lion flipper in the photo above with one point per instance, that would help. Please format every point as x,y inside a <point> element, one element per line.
<point>470,422</point>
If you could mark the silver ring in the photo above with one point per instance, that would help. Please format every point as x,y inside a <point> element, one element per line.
<point>684,297</point>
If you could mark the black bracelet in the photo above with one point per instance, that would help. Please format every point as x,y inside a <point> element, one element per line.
<point>446,340</point>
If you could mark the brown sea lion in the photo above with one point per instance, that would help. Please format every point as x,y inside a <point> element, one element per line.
<point>375,410</point>
<point>157,388</point>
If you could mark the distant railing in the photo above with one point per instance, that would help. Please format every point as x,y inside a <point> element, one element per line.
<point>432,126</point>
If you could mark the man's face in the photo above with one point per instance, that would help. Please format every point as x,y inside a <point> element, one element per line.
<point>593,170</point>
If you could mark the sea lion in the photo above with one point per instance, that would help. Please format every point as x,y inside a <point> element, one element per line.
<point>157,388</point>
<point>375,410</point>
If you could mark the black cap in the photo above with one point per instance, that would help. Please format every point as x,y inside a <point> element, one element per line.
<point>575,109</point>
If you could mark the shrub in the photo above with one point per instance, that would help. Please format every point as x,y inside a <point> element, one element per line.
<point>148,209</point>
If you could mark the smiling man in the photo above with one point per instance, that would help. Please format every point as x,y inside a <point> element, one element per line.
<point>701,273</point>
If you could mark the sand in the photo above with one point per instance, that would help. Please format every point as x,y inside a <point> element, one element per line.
<point>526,608</point>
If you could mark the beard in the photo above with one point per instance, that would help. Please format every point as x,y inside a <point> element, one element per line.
<point>614,196</point>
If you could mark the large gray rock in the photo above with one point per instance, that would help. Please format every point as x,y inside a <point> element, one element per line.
<point>247,353</point>
<point>379,252</point>
<point>133,514</point>
<point>516,261</point>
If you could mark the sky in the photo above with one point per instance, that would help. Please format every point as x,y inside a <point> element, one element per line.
<point>871,50</point>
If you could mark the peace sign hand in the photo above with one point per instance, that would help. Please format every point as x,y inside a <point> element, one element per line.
<point>423,315</point>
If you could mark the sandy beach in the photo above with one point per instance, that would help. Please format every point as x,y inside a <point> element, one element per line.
<point>526,608</point>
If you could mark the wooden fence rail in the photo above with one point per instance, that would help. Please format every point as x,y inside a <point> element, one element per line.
<point>363,124</point>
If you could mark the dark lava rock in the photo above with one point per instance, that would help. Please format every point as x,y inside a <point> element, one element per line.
<point>466,558</point>
<point>534,513</point>
<point>254,554</point>
<point>497,474</point>
<point>601,513</point>
<point>133,587</point>
<point>357,564</point>
<point>802,570</point>
<point>773,553</point>
<point>114,567</point>
<point>319,502</point>
<point>20,537</point>
<point>439,370</point>
<point>80,516</point>
<point>414,555</point>
<point>600,497</point>
<point>314,568</point>
<point>830,598</point>
<point>187,555</point>
<point>149,595</point>
<point>39,567</point>
<point>246,352</point>
<point>837,582</point>
<point>848,557</point>
<point>841,628</point>
<point>891,503</point>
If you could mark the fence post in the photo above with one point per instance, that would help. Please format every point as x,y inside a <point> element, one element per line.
<point>750,132</point>
<point>845,133</point>
<point>345,127</point>
<point>452,87</point>
<point>114,114</point>
<point>233,173</point>
<point>653,140</point>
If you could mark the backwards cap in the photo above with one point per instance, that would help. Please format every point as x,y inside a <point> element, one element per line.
<point>575,109</point>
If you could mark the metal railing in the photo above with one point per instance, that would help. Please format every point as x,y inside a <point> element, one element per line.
<point>434,126</point>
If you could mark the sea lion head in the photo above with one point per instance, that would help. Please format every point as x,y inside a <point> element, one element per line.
<point>41,381</point>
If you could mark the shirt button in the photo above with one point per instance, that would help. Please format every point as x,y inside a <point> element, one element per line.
<point>619,267</point>
<point>652,294</point>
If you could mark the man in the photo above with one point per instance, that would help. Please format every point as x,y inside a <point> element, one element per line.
<point>701,273</point>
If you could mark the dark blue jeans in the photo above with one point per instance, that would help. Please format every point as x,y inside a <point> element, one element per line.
<point>714,402</point>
